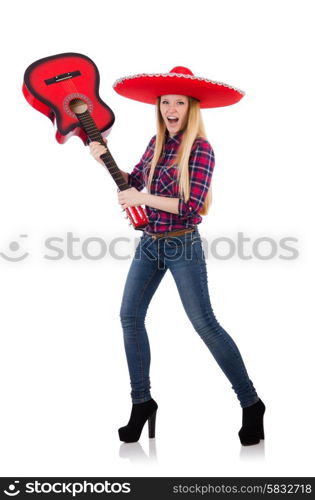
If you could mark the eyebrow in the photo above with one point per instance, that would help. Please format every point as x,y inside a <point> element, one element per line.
<point>166,99</point>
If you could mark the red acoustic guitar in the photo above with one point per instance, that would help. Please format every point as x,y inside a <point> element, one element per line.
<point>65,88</point>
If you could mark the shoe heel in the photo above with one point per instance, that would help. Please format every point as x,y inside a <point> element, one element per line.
<point>261,433</point>
<point>151,425</point>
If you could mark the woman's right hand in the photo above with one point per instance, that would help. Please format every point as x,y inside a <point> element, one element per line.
<point>97,149</point>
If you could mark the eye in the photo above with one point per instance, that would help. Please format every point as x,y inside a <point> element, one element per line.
<point>164,102</point>
<point>180,102</point>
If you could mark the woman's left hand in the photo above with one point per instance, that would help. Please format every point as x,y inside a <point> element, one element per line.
<point>130,197</point>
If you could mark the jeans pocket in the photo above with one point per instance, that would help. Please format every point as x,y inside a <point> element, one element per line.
<point>197,249</point>
<point>179,248</point>
<point>173,244</point>
<point>196,238</point>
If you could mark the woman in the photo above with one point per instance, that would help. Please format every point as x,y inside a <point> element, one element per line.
<point>176,168</point>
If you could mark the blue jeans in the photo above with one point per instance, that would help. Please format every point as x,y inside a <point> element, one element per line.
<point>184,257</point>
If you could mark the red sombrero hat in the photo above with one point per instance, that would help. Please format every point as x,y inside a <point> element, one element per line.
<point>147,87</point>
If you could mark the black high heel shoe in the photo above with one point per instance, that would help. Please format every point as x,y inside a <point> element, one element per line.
<point>140,413</point>
<point>252,430</point>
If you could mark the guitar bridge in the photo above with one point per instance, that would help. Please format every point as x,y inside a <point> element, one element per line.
<point>60,78</point>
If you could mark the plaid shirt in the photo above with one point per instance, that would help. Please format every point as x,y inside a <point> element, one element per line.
<point>164,183</point>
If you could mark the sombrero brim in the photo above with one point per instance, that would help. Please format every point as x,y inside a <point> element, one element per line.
<point>147,87</point>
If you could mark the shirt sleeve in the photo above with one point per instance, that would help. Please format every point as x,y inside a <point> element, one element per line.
<point>201,165</point>
<point>136,177</point>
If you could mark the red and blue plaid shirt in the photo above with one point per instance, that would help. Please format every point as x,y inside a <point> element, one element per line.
<point>164,183</point>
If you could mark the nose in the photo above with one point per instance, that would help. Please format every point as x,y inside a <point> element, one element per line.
<point>172,107</point>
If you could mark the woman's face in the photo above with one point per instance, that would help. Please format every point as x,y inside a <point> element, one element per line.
<point>174,111</point>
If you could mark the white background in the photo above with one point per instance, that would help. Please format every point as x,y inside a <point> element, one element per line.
<point>64,379</point>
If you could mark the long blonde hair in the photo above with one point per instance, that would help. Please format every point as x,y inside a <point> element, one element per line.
<point>194,128</point>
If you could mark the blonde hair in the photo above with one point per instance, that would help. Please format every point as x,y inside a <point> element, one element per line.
<point>194,128</point>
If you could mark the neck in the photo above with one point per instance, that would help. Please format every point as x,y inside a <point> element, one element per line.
<point>174,135</point>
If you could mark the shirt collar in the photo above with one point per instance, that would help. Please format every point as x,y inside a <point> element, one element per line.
<point>176,138</point>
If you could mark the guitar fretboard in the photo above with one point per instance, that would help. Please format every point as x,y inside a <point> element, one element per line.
<point>94,134</point>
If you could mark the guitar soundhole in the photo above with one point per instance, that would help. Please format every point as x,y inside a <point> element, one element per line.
<point>76,104</point>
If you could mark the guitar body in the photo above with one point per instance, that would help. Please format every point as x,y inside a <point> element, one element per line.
<point>65,87</point>
<point>51,83</point>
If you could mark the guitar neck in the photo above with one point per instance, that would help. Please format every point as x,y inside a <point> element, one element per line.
<point>90,128</point>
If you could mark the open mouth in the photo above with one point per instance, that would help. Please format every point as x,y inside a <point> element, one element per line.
<point>172,119</point>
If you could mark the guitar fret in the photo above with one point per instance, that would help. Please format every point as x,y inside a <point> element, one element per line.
<point>110,164</point>
<point>110,161</point>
